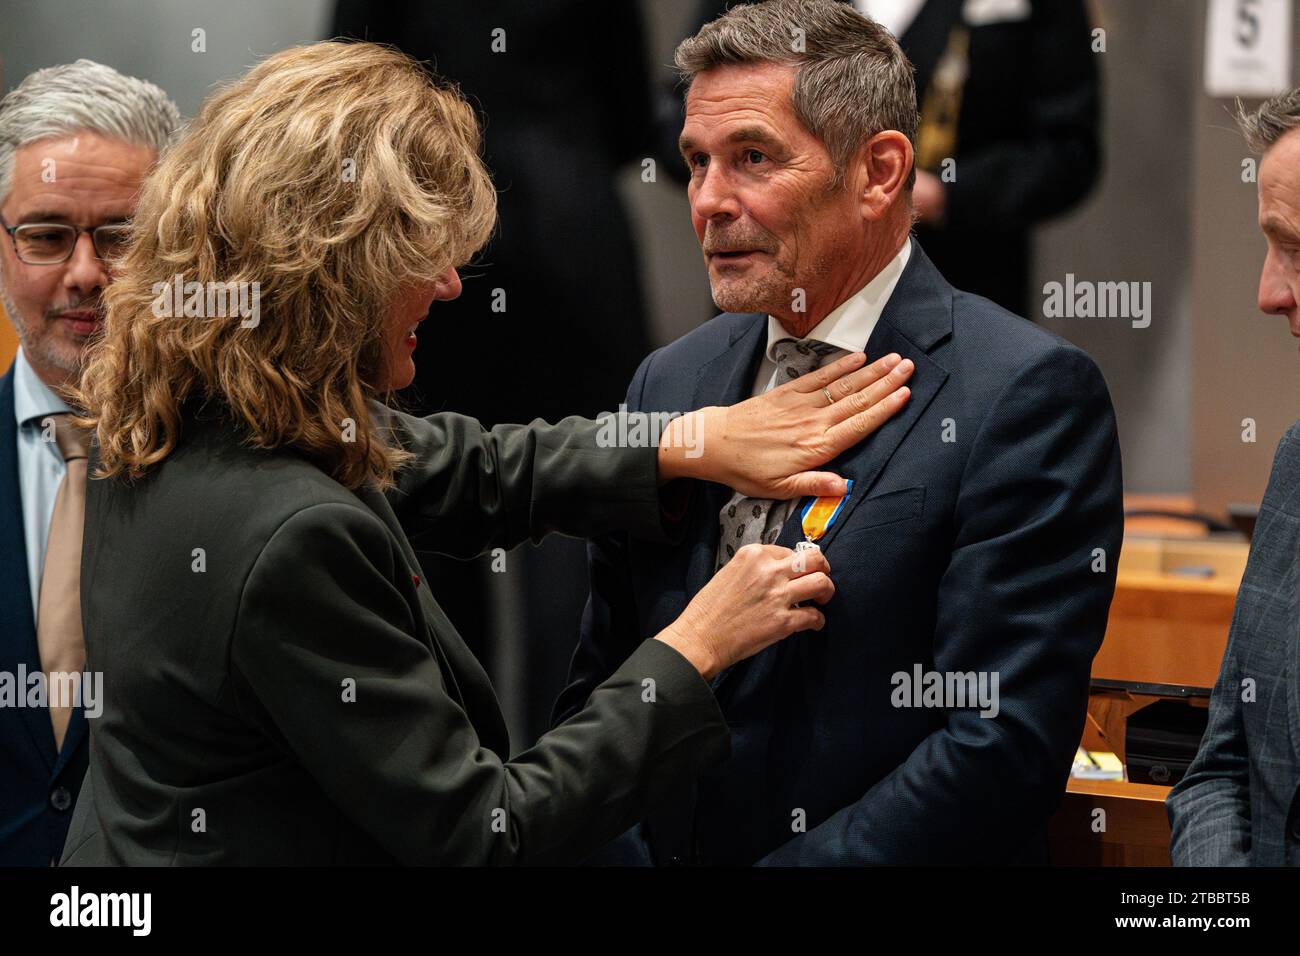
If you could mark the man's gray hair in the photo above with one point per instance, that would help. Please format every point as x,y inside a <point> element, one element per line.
<point>852,80</point>
<point>1266,125</point>
<point>82,96</point>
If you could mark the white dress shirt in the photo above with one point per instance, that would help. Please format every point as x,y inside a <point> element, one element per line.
<point>847,328</point>
<point>40,466</point>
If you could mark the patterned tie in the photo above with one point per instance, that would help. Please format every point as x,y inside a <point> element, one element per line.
<point>58,616</point>
<point>754,520</point>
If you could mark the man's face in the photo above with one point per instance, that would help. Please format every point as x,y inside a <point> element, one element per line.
<point>762,204</point>
<point>1279,217</point>
<point>84,180</point>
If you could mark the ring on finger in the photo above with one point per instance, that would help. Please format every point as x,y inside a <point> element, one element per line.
<point>827,393</point>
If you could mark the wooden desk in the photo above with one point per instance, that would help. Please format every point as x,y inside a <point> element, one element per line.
<point>1164,628</point>
<point>1110,823</point>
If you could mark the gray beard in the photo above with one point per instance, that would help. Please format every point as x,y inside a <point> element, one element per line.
<point>37,352</point>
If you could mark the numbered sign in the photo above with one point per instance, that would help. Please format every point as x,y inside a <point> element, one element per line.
<point>1248,47</point>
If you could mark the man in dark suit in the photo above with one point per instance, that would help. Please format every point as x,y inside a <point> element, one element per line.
<point>1239,803</point>
<point>75,144</point>
<point>935,717</point>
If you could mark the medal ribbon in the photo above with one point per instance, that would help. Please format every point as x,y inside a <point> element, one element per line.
<point>820,513</point>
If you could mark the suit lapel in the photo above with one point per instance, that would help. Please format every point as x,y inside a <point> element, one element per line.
<point>17,622</point>
<point>917,317</point>
<point>454,657</point>
<point>866,460</point>
<point>77,729</point>
<point>377,503</point>
<point>725,380</point>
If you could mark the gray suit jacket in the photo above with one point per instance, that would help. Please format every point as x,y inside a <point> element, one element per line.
<point>1238,803</point>
<point>282,688</point>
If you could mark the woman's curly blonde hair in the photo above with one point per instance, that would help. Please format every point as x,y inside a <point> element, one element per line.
<point>332,175</point>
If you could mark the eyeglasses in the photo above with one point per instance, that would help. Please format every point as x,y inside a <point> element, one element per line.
<point>49,243</point>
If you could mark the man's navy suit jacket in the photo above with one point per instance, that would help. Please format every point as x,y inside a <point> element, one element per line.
<point>38,785</point>
<point>981,537</point>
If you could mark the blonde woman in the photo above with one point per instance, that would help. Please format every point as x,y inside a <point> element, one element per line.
<point>279,684</point>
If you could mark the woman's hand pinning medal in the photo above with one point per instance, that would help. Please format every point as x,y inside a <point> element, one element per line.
<point>764,447</point>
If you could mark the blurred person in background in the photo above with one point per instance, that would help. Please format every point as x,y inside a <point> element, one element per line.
<point>565,91</point>
<point>1009,97</point>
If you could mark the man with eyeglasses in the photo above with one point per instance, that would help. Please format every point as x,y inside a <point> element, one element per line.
<point>76,141</point>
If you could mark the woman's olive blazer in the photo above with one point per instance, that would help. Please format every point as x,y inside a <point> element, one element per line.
<point>280,687</point>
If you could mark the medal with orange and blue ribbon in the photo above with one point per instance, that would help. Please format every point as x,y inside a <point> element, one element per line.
<point>819,514</point>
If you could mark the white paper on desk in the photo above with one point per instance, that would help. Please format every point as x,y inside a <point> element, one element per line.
<point>1102,766</point>
<point>1248,47</point>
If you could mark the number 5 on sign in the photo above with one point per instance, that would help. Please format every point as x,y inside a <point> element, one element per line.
<point>1248,47</point>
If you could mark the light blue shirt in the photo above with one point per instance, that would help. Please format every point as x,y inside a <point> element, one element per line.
<point>40,465</point>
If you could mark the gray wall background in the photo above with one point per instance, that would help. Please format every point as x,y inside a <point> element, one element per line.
<point>1136,227</point>
<point>1171,209</point>
<point>152,38</point>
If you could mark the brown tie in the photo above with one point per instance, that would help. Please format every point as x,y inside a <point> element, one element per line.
<point>58,616</point>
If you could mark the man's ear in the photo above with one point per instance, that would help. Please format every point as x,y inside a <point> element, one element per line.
<point>884,162</point>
